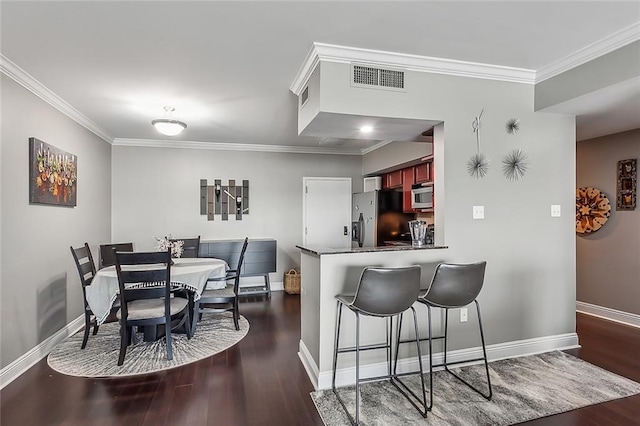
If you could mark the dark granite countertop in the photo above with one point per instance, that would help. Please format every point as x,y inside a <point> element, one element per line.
<point>323,250</point>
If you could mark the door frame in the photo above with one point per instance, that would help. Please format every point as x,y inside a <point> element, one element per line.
<point>306,179</point>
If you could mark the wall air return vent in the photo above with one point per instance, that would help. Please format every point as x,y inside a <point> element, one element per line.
<point>365,76</point>
<point>304,96</point>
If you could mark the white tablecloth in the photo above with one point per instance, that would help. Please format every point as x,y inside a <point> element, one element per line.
<point>188,273</point>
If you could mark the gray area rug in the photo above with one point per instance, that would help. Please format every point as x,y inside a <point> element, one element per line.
<point>523,389</point>
<point>214,334</point>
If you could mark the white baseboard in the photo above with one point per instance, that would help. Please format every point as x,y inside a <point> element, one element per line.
<point>513,349</point>
<point>26,361</point>
<point>609,314</point>
<point>309,364</point>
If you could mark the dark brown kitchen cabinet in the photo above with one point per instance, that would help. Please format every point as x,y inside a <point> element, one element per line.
<point>392,180</point>
<point>423,172</point>
<point>408,179</point>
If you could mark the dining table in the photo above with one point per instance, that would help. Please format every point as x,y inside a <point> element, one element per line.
<point>191,274</point>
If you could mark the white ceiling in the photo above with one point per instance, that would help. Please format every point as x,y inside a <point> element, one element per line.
<point>227,67</point>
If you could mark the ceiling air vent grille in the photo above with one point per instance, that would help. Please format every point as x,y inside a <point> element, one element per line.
<point>304,97</point>
<point>383,78</point>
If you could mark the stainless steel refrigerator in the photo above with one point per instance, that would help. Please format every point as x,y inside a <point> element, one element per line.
<point>378,219</point>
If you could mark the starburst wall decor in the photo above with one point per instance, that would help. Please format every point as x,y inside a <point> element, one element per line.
<point>515,164</point>
<point>512,126</point>
<point>478,164</point>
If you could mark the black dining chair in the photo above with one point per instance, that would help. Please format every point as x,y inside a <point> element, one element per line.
<point>454,286</point>
<point>383,293</point>
<point>190,246</point>
<point>221,300</point>
<point>148,306</point>
<point>107,257</point>
<point>87,270</point>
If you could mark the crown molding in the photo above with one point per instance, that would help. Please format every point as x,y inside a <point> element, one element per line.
<point>304,73</point>
<point>588,53</point>
<point>364,151</point>
<point>378,58</point>
<point>23,78</point>
<point>219,146</point>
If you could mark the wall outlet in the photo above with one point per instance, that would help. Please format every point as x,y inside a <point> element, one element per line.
<point>463,314</point>
<point>555,210</point>
<point>478,212</point>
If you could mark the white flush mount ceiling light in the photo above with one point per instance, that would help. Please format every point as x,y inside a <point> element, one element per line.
<point>366,129</point>
<point>167,126</point>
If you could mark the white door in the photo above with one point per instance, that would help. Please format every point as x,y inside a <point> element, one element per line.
<point>326,212</point>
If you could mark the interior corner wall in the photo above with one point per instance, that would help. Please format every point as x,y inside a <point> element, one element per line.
<point>607,70</point>
<point>40,289</point>
<point>608,260</point>
<point>156,191</point>
<point>394,154</point>
<point>310,109</point>
<point>529,287</point>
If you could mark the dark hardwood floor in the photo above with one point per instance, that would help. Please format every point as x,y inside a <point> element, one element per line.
<point>261,381</point>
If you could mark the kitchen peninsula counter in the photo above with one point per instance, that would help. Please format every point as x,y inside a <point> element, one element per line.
<point>327,272</point>
<point>318,251</point>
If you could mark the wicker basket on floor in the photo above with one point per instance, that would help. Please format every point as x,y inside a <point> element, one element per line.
<point>292,281</point>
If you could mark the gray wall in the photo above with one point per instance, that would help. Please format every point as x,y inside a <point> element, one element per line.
<point>393,154</point>
<point>608,261</point>
<point>616,67</point>
<point>156,191</point>
<point>312,107</point>
<point>40,290</point>
<point>530,283</point>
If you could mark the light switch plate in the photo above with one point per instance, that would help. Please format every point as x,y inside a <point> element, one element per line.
<point>556,211</point>
<point>478,212</point>
<point>463,315</point>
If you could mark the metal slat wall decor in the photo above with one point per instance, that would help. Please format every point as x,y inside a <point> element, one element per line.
<point>203,196</point>
<point>210,202</point>
<point>218,192</point>
<point>224,200</point>
<point>245,197</point>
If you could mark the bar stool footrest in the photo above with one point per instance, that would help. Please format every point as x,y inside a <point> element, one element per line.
<point>422,407</point>
<point>469,385</point>
<point>363,348</point>
<point>457,362</point>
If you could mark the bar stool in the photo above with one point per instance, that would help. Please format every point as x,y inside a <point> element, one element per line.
<point>453,286</point>
<point>383,293</point>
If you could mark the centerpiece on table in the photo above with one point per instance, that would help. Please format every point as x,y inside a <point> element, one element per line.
<point>166,242</point>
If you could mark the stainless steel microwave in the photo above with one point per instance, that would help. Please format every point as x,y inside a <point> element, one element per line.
<point>422,196</point>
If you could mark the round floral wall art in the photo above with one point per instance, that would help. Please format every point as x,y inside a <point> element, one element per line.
<point>592,210</point>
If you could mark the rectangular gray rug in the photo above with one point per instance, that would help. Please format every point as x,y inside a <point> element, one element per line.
<point>524,388</point>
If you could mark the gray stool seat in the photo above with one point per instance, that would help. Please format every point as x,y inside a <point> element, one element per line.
<point>383,293</point>
<point>347,299</point>
<point>454,286</point>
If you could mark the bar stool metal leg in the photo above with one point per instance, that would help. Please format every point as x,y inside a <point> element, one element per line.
<point>484,352</point>
<point>484,358</point>
<point>430,405</point>
<point>401,386</point>
<point>389,341</point>
<point>335,365</point>
<point>335,346</point>
<point>357,422</point>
